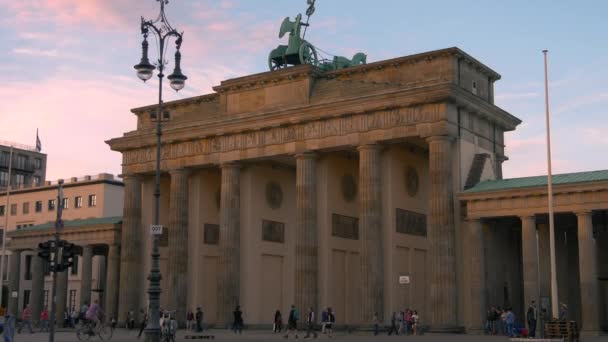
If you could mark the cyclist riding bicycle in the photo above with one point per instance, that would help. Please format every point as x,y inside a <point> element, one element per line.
<point>93,314</point>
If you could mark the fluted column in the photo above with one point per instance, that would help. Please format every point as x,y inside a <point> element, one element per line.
<point>131,263</point>
<point>477,283</point>
<point>177,264</point>
<point>86,274</point>
<point>112,282</point>
<point>529,249</point>
<point>370,229</point>
<point>587,258</point>
<point>229,256</point>
<point>306,257</point>
<point>441,235</point>
<point>37,299</point>
<point>14,275</point>
<point>62,296</point>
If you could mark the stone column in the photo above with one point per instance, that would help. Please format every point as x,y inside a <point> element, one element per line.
<point>62,296</point>
<point>112,282</point>
<point>14,276</point>
<point>529,249</point>
<point>131,263</point>
<point>37,296</point>
<point>229,256</point>
<point>587,258</point>
<point>86,274</point>
<point>441,236</point>
<point>370,230</point>
<point>177,264</point>
<point>306,256</point>
<point>477,283</point>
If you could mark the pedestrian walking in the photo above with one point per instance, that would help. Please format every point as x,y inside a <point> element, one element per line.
<point>9,328</point>
<point>83,311</point>
<point>292,321</point>
<point>44,320</point>
<point>376,322</point>
<point>143,316</point>
<point>310,322</point>
<point>415,323</point>
<point>278,322</point>
<point>510,322</point>
<point>73,317</point>
<point>563,312</point>
<point>26,318</point>
<point>131,320</point>
<point>1,319</point>
<point>323,320</point>
<point>331,320</point>
<point>408,321</point>
<point>531,317</point>
<point>238,320</point>
<point>393,328</point>
<point>189,320</point>
<point>199,320</point>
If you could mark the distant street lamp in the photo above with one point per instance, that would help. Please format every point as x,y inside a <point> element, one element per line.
<point>162,31</point>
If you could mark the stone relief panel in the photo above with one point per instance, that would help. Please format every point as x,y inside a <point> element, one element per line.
<point>336,126</point>
<point>273,231</point>
<point>409,222</point>
<point>211,234</point>
<point>345,227</point>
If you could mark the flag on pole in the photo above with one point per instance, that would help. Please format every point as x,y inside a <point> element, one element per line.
<point>38,143</point>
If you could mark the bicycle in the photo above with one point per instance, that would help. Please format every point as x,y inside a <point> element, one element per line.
<point>89,329</point>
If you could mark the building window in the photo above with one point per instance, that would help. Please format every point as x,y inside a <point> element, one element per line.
<point>18,226</point>
<point>36,180</point>
<point>72,300</point>
<point>4,158</point>
<point>46,297</point>
<point>3,178</point>
<point>38,206</point>
<point>92,200</point>
<point>26,208</point>
<point>38,163</point>
<point>14,209</point>
<point>66,203</point>
<point>78,202</point>
<point>2,209</point>
<point>18,180</point>
<point>26,298</point>
<point>28,267</point>
<point>2,236</point>
<point>75,265</point>
<point>51,205</point>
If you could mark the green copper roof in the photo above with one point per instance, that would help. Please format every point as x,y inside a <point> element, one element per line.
<point>537,181</point>
<point>76,223</point>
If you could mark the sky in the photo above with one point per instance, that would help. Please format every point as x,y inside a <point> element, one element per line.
<point>68,70</point>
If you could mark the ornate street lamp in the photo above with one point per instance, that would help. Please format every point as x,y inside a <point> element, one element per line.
<point>163,32</point>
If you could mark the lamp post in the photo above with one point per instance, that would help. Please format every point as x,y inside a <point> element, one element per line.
<point>162,31</point>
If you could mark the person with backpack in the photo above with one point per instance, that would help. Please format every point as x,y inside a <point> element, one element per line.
<point>238,320</point>
<point>323,320</point>
<point>292,321</point>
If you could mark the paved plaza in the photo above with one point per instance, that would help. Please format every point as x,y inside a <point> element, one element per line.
<point>122,335</point>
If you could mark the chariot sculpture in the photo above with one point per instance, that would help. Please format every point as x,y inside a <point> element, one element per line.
<point>299,51</point>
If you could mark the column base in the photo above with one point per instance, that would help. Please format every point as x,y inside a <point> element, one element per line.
<point>475,331</point>
<point>592,333</point>
<point>446,329</point>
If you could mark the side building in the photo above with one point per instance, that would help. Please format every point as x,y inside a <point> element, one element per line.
<point>28,165</point>
<point>92,215</point>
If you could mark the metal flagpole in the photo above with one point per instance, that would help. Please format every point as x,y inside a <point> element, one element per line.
<point>554,303</point>
<point>6,213</point>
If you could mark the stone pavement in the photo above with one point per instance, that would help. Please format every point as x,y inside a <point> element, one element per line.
<point>121,335</point>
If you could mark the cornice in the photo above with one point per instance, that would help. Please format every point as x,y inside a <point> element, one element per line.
<point>270,77</point>
<point>534,191</point>
<point>207,98</point>
<point>283,117</point>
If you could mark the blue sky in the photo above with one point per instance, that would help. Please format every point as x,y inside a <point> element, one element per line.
<point>67,65</point>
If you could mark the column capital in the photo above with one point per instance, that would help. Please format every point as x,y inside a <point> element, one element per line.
<point>180,171</point>
<point>473,219</point>
<point>230,165</point>
<point>306,155</point>
<point>527,217</point>
<point>583,213</point>
<point>130,176</point>
<point>370,146</point>
<point>446,138</point>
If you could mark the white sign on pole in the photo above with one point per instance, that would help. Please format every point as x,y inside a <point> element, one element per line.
<point>15,294</point>
<point>404,279</point>
<point>156,229</point>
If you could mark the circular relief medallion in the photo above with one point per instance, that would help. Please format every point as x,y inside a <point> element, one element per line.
<point>411,181</point>
<point>274,195</point>
<point>349,188</point>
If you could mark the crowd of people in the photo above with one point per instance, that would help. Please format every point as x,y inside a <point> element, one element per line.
<point>502,321</point>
